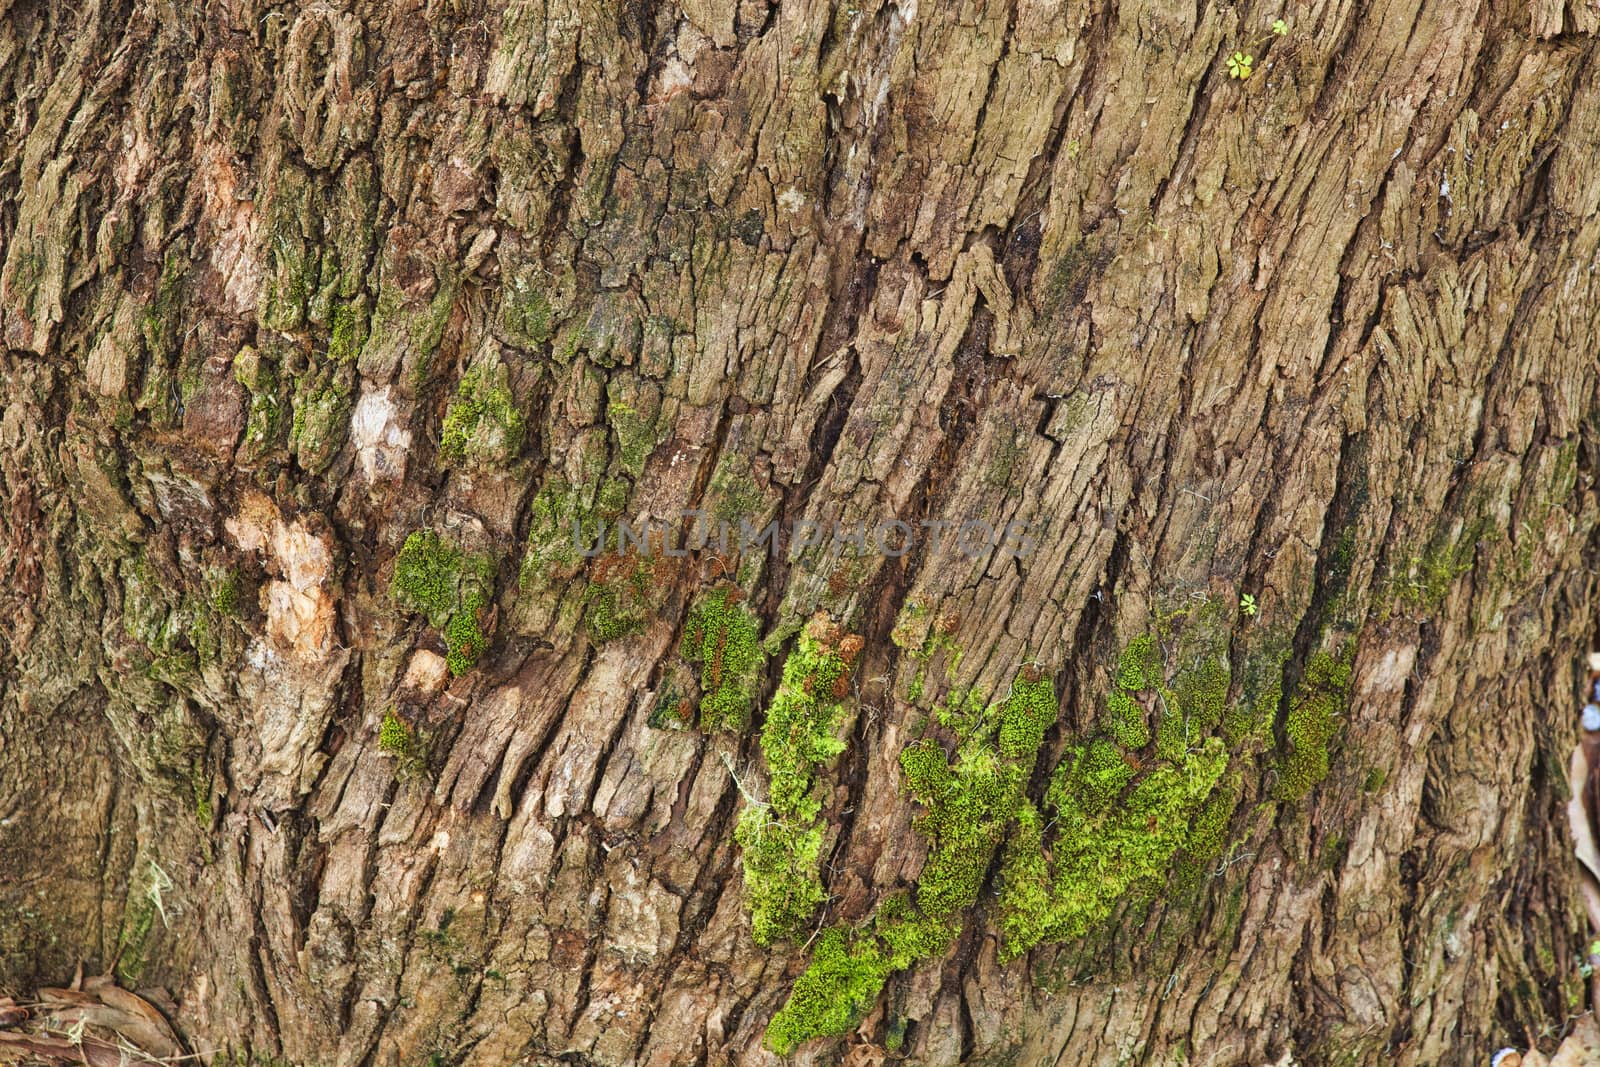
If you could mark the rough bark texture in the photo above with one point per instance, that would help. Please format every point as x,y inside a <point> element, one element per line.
<point>284,285</point>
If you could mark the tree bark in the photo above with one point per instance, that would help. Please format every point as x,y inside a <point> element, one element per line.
<point>322,320</point>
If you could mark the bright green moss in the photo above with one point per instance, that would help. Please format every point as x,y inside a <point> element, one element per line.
<point>833,995</point>
<point>1116,820</point>
<point>451,588</point>
<point>348,332</point>
<point>1137,667</point>
<point>1026,885</point>
<point>1100,857</point>
<point>395,737</point>
<point>1313,722</point>
<point>1208,835</point>
<point>1025,715</point>
<point>801,731</point>
<point>926,769</point>
<point>463,638</point>
<point>781,879</point>
<point>969,806</point>
<point>782,839</point>
<point>722,637</point>
<point>1097,774</point>
<point>484,424</point>
<point>848,969</point>
<point>911,934</point>
<point>426,576</point>
<point>398,739</point>
<point>1172,734</point>
<point>1125,721</point>
<point>1203,693</point>
<point>226,597</point>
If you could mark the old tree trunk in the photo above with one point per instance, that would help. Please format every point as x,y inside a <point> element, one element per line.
<point>322,321</point>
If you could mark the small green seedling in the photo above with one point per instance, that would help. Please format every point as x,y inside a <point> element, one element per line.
<point>1248,605</point>
<point>1241,63</point>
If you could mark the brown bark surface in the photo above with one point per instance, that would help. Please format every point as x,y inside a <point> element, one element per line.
<point>1324,335</point>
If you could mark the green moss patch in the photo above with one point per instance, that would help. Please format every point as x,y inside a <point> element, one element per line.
<point>483,426</point>
<point>1140,804</point>
<point>451,587</point>
<point>633,415</point>
<point>847,973</point>
<point>399,739</point>
<point>348,331</point>
<point>1117,815</point>
<point>1313,722</point>
<point>607,617</point>
<point>723,637</point>
<point>1115,831</point>
<point>781,840</point>
<point>969,805</point>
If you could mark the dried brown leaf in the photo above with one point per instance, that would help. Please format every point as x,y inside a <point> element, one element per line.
<point>1581,1047</point>
<point>1578,821</point>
